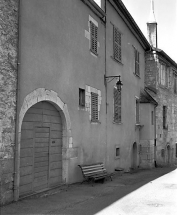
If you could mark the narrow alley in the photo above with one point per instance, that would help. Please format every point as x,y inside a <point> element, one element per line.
<point>143,192</point>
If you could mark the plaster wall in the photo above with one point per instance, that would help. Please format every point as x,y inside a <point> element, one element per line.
<point>55,55</point>
<point>125,133</point>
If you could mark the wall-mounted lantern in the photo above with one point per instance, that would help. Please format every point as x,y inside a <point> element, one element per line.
<point>118,83</point>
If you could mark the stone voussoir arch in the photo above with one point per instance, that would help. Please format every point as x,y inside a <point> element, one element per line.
<point>39,95</point>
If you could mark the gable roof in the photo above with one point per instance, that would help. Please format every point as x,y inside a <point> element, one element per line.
<point>146,97</point>
<point>163,54</point>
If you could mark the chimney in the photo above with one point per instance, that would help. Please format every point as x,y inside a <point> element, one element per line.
<point>152,27</point>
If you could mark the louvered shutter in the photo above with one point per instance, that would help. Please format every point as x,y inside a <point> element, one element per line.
<point>137,69</point>
<point>137,112</point>
<point>164,117</point>
<point>93,38</point>
<point>94,107</point>
<point>117,45</point>
<point>117,106</point>
<point>175,83</point>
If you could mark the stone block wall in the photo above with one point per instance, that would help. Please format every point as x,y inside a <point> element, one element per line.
<point>151,70</point>
<point>8,86</point>
<point>164,97</point>
<point>146,153</point>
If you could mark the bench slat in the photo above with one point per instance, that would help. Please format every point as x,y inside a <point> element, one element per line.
<point>94,171</point>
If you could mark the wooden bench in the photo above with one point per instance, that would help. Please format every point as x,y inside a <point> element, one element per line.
<point>94,172</point>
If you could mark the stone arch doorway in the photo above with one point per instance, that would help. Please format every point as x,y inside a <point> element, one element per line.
<point>40,149</point>
<point>134,155</point>
<point>49,96</point>
<point>168,154</point>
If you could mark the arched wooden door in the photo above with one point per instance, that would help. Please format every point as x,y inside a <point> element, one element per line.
<point>41,149</point>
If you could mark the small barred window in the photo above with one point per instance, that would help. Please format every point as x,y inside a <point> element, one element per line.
<point>94,107</point>
<point>117,44</point>
<point>93,38</point>
<point>117,106</point>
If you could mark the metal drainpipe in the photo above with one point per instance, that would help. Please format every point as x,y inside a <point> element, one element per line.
<point>106,144</point>
<point>16,154</point>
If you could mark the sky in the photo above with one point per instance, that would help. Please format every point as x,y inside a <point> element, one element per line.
<point>166,18</point>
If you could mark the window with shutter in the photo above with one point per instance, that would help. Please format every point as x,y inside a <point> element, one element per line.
<point>175,83</point>
<point>164,75</point>
<point>93,38</point>
<point>164,117</point>
<point>137,64</point>
<point>117,106</point>
<point>117,44</point>
<point>94,107</point>
<point>137,112</point>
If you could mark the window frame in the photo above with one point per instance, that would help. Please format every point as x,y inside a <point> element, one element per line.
<point>137,111</point>
<point>93,38</point>
<point>175,83</point>
<point>94,107</point>
<point>117,106</point>
<point>164,116</point>
<point>117,44</point>
<point>152,117</point>
<point>164,75</point>
<point>137,62</point>
<point>82,97</point>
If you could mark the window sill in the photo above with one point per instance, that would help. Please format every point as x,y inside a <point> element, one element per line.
<point>117,158</point>
<point>117,61</point>
<point>117,123</point>
<point>138,76</point>
<point>138,126</point>
<point>93,53</point>
<point>95,122</point>
<point>163,87</point>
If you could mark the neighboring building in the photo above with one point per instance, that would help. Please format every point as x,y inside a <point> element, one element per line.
<point>69,111</point>
<point>8,86</point>
<point>161,82</point>
<point>125,56</point>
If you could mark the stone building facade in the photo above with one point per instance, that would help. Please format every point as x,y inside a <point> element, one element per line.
<point>8,94</point>
<point>69,110</point>
<point>160,79</point>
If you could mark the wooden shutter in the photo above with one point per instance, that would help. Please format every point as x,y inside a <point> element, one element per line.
<point>175,83</point>
<point>117,45</point>
<point>137,112</point>
<point>164,117</point>
<point>176,150</point>
<point>137,69</point>
<point>93,38</point>
<point>94,107</point>
<point>117,106</point>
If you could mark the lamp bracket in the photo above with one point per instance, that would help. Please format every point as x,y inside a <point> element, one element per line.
<point>110,78</point>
